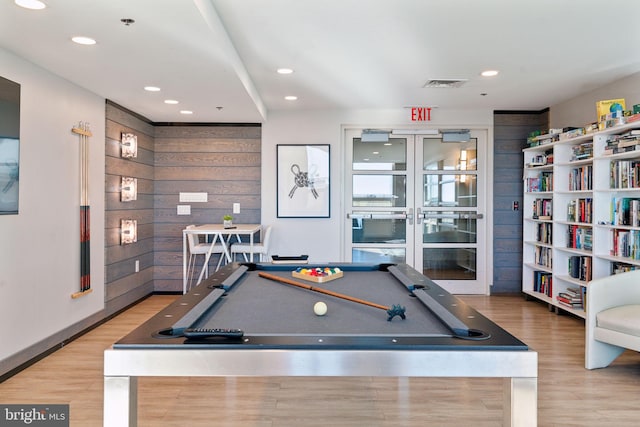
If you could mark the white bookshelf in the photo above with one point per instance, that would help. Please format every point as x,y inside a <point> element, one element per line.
<point>582,180</point>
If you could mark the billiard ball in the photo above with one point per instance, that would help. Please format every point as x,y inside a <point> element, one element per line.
<point>320,308</point>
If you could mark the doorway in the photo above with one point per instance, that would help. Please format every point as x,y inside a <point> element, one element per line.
<point>419,199</point>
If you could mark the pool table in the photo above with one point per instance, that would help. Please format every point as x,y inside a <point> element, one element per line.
<point>386,320</point>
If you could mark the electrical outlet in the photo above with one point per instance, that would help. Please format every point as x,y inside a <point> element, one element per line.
<point>137,266</point>
<point>236,208</point>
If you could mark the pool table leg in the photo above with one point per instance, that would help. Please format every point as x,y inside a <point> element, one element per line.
<point>520,402</point>
<point>120,402</point>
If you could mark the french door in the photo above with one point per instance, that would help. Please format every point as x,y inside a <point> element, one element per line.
<point>419,199</point>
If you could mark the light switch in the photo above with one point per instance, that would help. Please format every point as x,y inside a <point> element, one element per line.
<point>184,209</point>
<point>236,208</point>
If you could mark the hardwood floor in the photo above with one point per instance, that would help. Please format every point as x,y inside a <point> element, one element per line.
<point>568,394</point>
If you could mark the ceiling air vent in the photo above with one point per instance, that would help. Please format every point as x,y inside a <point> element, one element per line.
<point>444,83</point>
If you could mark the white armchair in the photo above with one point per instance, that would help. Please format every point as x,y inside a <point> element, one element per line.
<point>613,318</point>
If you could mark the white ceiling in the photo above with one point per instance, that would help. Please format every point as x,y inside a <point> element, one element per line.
<point>347,54</point>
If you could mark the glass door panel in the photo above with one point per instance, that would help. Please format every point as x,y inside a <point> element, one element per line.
<point>418,200</point>
<point>450,208</point>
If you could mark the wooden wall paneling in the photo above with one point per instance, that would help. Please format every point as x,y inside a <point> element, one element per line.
<point>119,269</point>
<point>123,284</point>
<point>222,161</point>
<point>211,187</point>
<point>209,145</point>
<point>116,253</point>
<point>510,133</point>
<point>210,131</point>
<point>118,114</point>
<point>231,159</point>
<point>134,293</point>
<point>123,167</point>
<point>203,173</point>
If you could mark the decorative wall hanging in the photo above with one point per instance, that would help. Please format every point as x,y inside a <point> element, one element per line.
<point>9,146</point>
<point>303,181</point>
<point>84,132</point>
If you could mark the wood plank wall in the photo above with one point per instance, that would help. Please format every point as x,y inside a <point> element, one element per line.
<point>122,284</point>
<point>511,129</point>
<point>223,161</point>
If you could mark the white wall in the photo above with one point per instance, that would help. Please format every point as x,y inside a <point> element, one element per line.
<point>581,110</point>
<point>320,238</point>
<point>39,247</point>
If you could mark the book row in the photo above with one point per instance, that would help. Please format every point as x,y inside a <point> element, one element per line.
<point>543,182</point>
<point>580,267</point>
<point>542,209</point>
<point>579,237</point>
<point>624,174</point>
<point>626,244</point>
<point>580,210</point>
<point>625,211</point>
<point>580,179</point>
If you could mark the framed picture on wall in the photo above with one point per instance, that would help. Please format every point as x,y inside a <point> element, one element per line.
<point>303,181</point>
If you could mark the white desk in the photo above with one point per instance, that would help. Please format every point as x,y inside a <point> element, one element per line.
<point>220,234</point>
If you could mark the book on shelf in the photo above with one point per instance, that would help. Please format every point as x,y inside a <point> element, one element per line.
<point>544,233</point>
<point>622,267</point>
<point>624,174</point>
<point>626,244</point>
<point>542,182</point>
<point>571,297</point>
<point>580,210</point>
<point>579,237</point>
<point>580,267</point>
<point>582,151</point>
<point>580,179</point>
<point>543,282</point>
<point>625,211</point>
<point>606,107</point>
<point>542,209</point>
<point>544,257</point>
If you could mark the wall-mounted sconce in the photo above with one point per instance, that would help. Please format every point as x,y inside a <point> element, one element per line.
<point>129,189</point>
<point>128,231</point>
<point>129,145</point>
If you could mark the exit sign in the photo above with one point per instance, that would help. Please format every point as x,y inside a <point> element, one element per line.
<point>420,114</point>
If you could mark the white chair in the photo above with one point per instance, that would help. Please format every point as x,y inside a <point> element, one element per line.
<point>613,318</point>
<point>261,248</point>
<point>199,248</point>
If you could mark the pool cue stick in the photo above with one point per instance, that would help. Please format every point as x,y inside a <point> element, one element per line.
<point>391,311</point>
<point>83,131</point>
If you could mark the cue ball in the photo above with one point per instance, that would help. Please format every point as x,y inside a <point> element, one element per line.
<point>320,308</point>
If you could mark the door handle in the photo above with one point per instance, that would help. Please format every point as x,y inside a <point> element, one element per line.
<point>464,215</point>
<point>381,215</point>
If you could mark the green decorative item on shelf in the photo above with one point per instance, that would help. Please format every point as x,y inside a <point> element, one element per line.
<point>227,221</point>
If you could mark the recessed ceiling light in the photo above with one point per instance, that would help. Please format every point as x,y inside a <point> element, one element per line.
<point>284,70</point>
<point>84,40</point>
<point>186,112</point>
<point>290,97</point>
<point>489,73</point>
<point>170,101</point>
<point>152,89</point>
<point>31,4</point>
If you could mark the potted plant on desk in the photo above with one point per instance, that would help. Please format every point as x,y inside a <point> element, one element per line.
<point>227,221</point>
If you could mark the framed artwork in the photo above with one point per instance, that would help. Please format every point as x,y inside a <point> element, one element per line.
<point>303,181</point>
